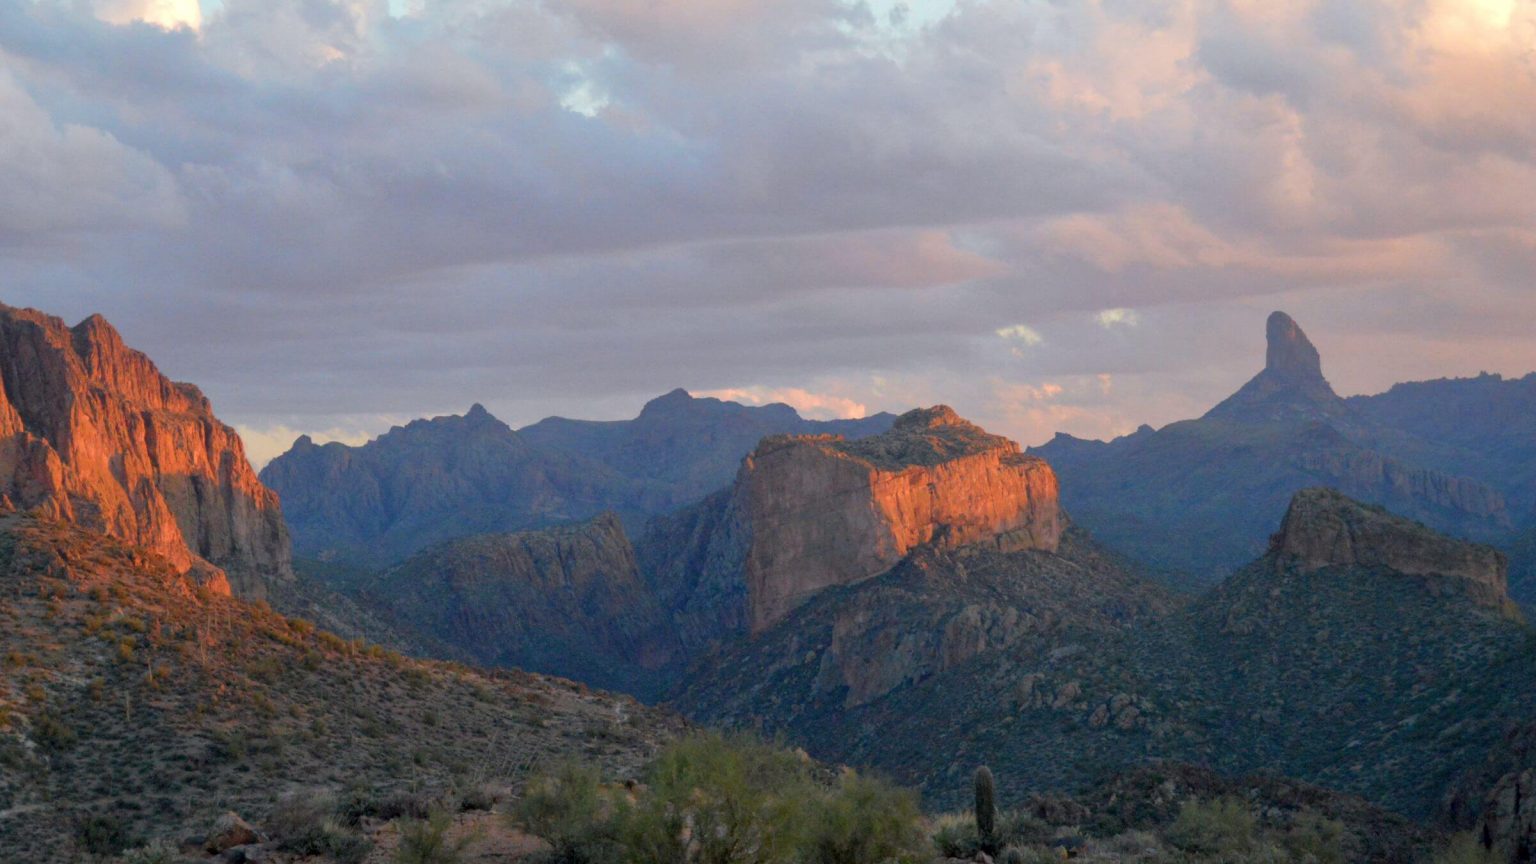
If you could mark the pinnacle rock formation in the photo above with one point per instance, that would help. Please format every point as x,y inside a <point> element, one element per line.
<point>92,433</point>
<point>825,511</point>
<point>1291,385</point>
<point>1323,528</point>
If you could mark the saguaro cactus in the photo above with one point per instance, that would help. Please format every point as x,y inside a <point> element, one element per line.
<point>986,808</point>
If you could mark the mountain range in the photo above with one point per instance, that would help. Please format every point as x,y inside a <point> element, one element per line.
<point>1294,584</point>
<point>1196,499</point>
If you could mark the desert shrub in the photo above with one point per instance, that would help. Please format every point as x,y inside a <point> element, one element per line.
<point>101,834</point>
<point>1465,848</point>
<point>955,836</point>
<point>52,733</point>
<point>712,799</point>
<point>310,825</point>
<point>742,800</point>
<point>866,821</point>
<point>480,796</point>
<point>1224,827</point>
<point>426,841</point>
<point>1317,839</point>
<point>572,811</point>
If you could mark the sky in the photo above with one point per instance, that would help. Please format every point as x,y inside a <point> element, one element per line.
<point>338,215</point>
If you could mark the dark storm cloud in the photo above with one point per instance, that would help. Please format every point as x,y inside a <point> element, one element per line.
<point>332,217</point>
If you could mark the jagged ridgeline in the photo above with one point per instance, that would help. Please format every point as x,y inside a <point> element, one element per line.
<point>434,480</point>
<point>1196,499</point>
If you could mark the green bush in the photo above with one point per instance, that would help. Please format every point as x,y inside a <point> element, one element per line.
<point>572,811</point>
<point>1224,827</point>
<point>426,841</point>
<point>865,821</point>
<point>710,799</point>
<point>954,836</point>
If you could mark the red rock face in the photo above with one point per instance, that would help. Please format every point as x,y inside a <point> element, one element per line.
<point>825,512</point>
<point>92,433</point>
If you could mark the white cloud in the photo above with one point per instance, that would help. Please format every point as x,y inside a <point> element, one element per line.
<point>1021,333</point>
<point>162,13</point>
<point>811,405</point>
<point>1117,317</point>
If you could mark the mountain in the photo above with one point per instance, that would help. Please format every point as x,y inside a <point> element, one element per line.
<point>692,445</point>
<point>135,704</point>
<point>806,513</point>
<point>811,512</point>
<point>1195,499</point>
<point>567,601</point>
<point>1362,651</point>
<point>455,476</point>
<point>1483,427</point>
<point>432,480</point>
<point>92,433</point>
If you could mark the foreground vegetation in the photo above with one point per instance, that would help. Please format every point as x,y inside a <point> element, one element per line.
<point>713,799</point>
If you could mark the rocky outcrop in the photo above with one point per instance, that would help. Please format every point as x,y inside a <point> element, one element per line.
<point>1291,385</point>
<point>1509,818</point>
<point>824,511</point>
<point>92,433</point>
<point>567,601</point>
<point>1323,528</point>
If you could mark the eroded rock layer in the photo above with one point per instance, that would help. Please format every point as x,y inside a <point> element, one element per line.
<point>92,433</point>
<point>1323,528</point>
<point>824,511</point>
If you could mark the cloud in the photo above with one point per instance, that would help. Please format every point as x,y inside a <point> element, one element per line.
<point>1117,317</point>
<point>815,406</point>
<point>265,443</point>
<point>324,212</point>
<point>1021,333</point>
<point>161,13</point>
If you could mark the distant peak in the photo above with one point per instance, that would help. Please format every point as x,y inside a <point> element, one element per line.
<point>671,400</point>
<point>929,418</point>
<point>1290,353</point>
<point>477,411</point>
<point>1291,386</point>
<point>303,442</point>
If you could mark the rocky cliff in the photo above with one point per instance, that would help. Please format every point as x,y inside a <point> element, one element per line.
<point>1323,528</point>
<point>92,433</point>
<point>566,601</point>
<point>824,511</point>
